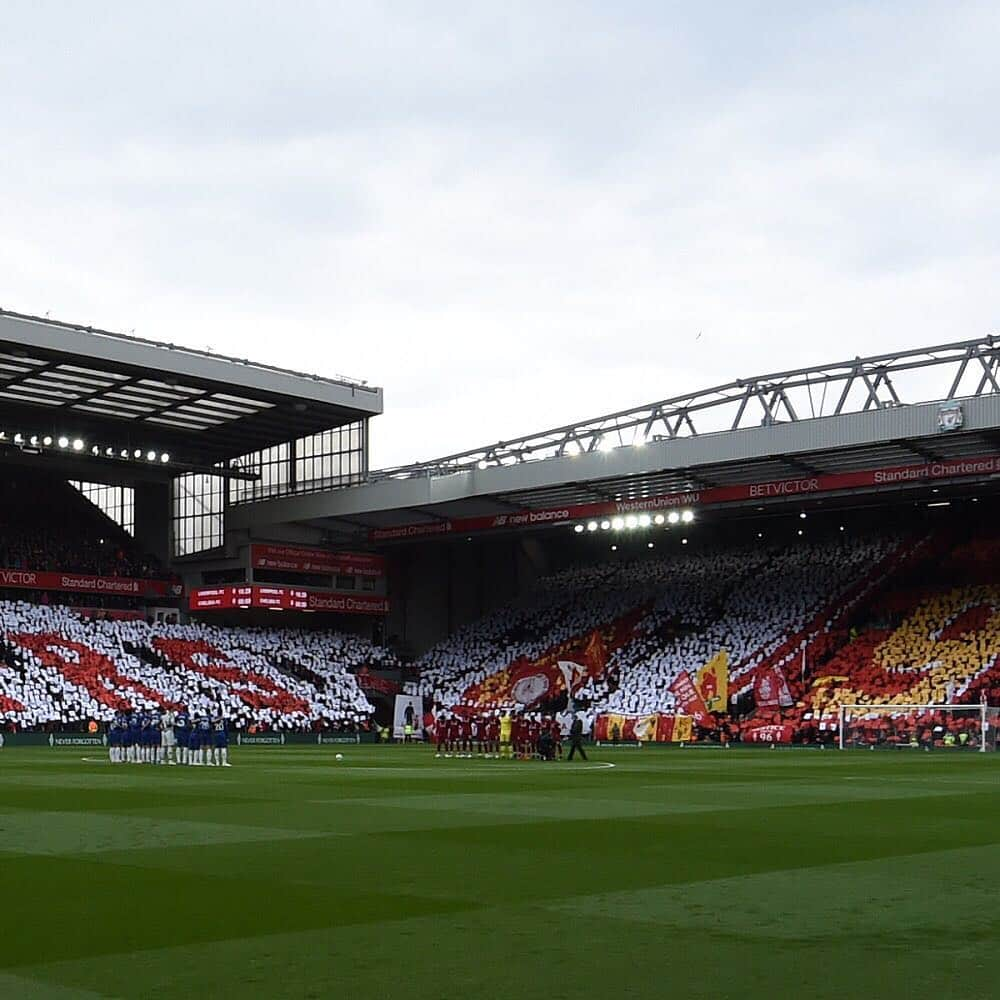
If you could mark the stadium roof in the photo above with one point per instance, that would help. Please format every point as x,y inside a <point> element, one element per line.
<point>857,418</point>
<point>64,379</point>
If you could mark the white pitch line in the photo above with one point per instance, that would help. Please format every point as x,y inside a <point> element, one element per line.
<point>599,766</point>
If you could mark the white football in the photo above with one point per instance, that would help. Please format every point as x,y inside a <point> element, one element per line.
<point>340,756</point>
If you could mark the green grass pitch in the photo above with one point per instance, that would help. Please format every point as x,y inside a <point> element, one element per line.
<point>673,873</point>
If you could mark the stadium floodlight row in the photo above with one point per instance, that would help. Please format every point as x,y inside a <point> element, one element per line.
<point>632,521</point>
<point>62,379</point>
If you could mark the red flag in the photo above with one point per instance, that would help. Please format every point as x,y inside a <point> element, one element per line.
<point>690,702</point>
<point>770,689</point>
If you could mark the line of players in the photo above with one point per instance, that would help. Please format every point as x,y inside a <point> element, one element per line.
<point>168,738</point>
<point>493,736</point>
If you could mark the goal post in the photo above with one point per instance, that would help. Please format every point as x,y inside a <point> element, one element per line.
<point>944,726</point>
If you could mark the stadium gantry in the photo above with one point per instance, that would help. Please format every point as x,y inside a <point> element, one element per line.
<point>929,406</point>
<point>856,385</point>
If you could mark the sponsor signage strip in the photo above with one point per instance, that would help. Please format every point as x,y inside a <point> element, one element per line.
<point>299,559</point>
<point>30,579</point>
<point>285,599</point>
<point>898,475</point>
<point>77,740</point>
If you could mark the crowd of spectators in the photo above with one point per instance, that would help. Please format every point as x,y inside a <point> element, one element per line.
<point>924,629</point>
<point>746,601</point>
<point>46,525</point>
<point>57,668</point>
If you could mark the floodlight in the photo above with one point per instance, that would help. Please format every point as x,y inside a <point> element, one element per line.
<point>645,520</point>
<point>618,523</point>
<point>578,528</point>
<point>591,526</point>
<point>482,463</point>
<point>673,517</point>
<point>33,440</point>
<point>137,453</point>
<point>77,444</point>
<point>165,457</point>
<point>803,515</point>
<point>605,525</point>
<point>659,519</point>
<point>606,444</point>
<point>18,438</point>
<point>150,456</point>
<point>688,516</point>
<point>63,442</point>
<point>47,440</point>
<point>631,521</point>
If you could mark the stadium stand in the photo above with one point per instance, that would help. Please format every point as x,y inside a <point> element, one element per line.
<point>907,618</point>
<point>60,669</point>
<point>904,617</point>
<point>668,616</point>
<point>45,524</point>
<point>929,635</point>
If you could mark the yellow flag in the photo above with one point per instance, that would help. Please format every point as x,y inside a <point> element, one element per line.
<point>683,729</point>
<point>713,682</point>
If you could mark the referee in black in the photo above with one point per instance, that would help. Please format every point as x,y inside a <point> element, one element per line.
<point>576,738</point>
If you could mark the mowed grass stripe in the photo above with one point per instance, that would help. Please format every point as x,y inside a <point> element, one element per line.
<point>29,988</point>
<point>533,879</point>
<point>548,956</point>
<point>130,908</point>
<point>61,833</point>
<point>782,904</point>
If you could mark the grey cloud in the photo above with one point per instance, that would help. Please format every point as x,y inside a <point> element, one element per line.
<point>509,216</point>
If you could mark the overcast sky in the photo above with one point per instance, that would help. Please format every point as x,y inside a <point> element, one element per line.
<point>508,215</point>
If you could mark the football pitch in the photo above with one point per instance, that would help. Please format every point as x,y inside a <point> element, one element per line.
<point>392,874</point>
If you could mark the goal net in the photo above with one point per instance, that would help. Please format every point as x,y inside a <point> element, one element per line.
<point>924,727</point>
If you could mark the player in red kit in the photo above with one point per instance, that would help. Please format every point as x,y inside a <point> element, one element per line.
<point>517,735</point>
<point>493,736</point>
<point>534,731</point>
<point>450,735</point>
<point>441,732</point>
<point>465,736</point>
<point>556,732</point>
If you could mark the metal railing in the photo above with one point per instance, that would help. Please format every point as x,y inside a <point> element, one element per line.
<point>968,368</point>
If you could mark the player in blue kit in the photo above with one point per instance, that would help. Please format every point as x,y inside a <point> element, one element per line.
<point>133,738</point>
<point>194,743</point>
<point>182,730</point>
<point>156,740</point>
<point>146,739</point>
<point>220,738</point>
<point>205,739</point>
